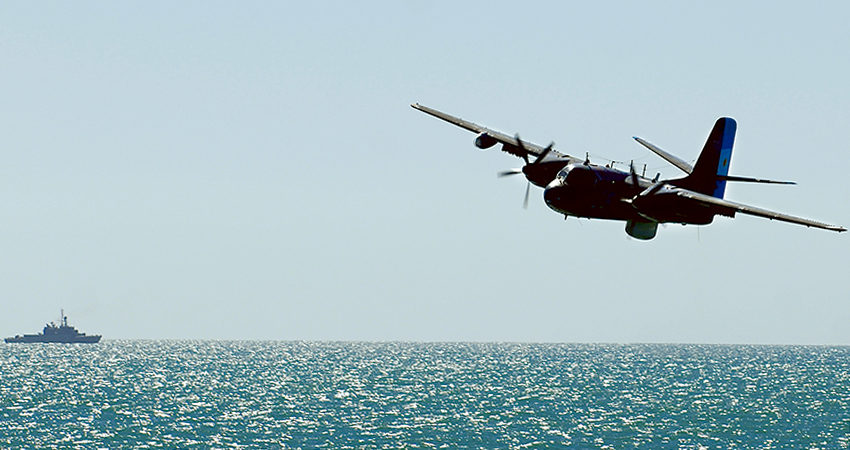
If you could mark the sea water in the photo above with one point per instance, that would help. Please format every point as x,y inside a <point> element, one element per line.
<point>184,394</point>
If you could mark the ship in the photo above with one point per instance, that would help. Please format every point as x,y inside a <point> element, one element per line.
<point>63,333</point>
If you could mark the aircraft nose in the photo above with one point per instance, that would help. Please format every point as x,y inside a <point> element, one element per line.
<point>552,193</point>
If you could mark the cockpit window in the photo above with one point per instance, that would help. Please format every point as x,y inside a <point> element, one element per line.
<point>562,175</point>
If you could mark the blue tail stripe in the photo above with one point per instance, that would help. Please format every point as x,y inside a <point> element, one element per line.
<point>725,155</point>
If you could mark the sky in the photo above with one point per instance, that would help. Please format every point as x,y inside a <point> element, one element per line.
<point>253,170</point>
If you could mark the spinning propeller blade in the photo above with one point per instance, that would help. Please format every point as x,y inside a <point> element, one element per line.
<point>537,160</point>
<point>521,146</point>
<point>525,201</point>
<point>507,173</point>
<point>544,153</point>
<point>633,174</point>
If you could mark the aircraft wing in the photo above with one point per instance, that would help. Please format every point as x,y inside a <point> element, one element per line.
<point>751,210</point>
<point>510,143</point>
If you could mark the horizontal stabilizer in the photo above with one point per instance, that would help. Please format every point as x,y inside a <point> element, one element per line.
<point>680,163</point>
<point>753,180</point>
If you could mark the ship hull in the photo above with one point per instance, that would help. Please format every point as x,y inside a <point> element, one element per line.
<point>33,339</point>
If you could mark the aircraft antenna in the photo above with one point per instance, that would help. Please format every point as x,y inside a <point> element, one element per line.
<point>643,174</point>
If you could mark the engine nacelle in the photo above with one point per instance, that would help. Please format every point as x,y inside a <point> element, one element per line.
<point>485,141</point>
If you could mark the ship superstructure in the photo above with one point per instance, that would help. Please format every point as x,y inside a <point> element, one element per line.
<point>63,333</point>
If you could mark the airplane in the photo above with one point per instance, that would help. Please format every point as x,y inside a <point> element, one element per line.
<point>575,187</point>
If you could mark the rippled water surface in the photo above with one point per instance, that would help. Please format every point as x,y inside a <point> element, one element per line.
<point>302,394</point>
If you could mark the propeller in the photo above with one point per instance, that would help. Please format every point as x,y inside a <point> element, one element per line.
<point>522,147</point>
<point>633,174</point>
<point>651,190</point>
<point>524,155</point>
<point>544,153</point>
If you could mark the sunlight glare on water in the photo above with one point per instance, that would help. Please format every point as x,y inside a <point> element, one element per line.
<point>343,395</point>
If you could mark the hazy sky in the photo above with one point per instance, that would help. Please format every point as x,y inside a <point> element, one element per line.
<point>252,170</point>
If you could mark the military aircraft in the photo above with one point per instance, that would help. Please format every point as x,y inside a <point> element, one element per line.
<point>575,187</point>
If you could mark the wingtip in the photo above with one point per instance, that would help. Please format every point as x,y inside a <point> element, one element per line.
<point>836,228</point>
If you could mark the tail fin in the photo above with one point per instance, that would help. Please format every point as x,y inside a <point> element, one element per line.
<point>713,163</point>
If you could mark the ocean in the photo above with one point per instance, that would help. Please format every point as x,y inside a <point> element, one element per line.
<point>218,394</point>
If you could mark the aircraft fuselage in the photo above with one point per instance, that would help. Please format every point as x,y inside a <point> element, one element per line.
<point>598,192</point>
